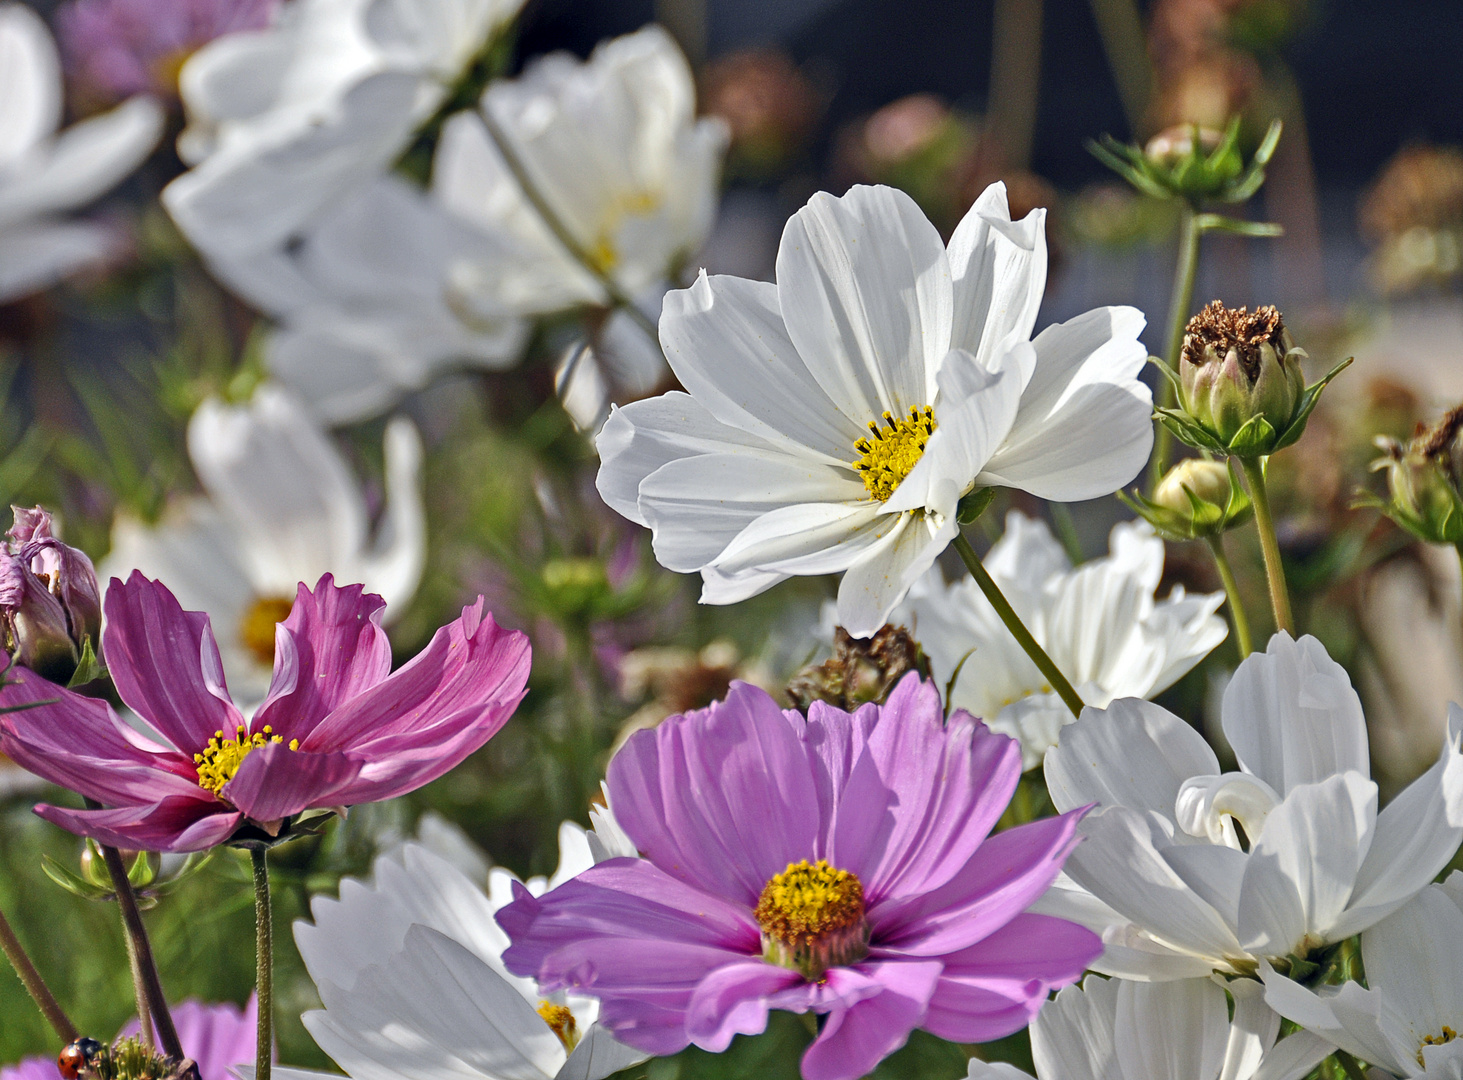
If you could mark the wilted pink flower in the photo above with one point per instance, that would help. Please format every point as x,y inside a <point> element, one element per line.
<point>840,864</point>
<point>336,728</point>
<point>67,571</point>
<point>49,604</point>
<point>116,48</point>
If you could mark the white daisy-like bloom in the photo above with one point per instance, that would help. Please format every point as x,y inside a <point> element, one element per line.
<point>613,147</point>
<point>284,122</point>
<point>1120,1030</point>
<point>363,304</point>
<point>1408,1019</point>
<point>43,172</point>
<point>409,968</point>
<point>1184,870</point>
<point>834,419</point>
<point>280,507</point>
<point>1099,622</point>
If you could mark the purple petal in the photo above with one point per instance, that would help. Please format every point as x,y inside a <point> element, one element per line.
<point>1007,874</point>
<point>165,664</point>
<point>328,651</point>
<point>173,824</point>
<point>996,987</point>
<point>733,1000</point>
<point>923,796</point>
<point>217,1037</point>
<point>404,763</point>
<point>723,797</point>
<point>32,1068</point>
<point>856,1039</point>
<point>274,781</point>
<point>471,676</point>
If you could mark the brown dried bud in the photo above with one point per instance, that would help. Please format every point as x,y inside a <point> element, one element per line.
<point>860,670</point>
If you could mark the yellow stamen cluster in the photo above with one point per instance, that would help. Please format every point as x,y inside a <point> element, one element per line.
<point>1447,1036</point>
<point>812,918</point>
<point>561,1020</point>
<point>256,629</point>
<point>887,456</point>
<point>221,758</point>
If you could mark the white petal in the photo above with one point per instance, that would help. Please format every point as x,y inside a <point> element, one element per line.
<point>808,538</point>
<point>393,567</point>
<point>1293,1057</point>
<point>34,255</point>
<point>1128,952</point>
<point>30,83</point>
<point>1292,717</point>
<point>865,293</point>
<point>1072,1037</point>
<point>1083,429</point>
<point>720,588</point>
<point>1304,862</point>
<point>1252,1030</point>
<point>977,1069</point>
<point>725,340</point>
<point>1206,803</point>
<point>1171,1031</point>
<point>1362,1035</point>
<point>1027,555</point>
<point>879,577</point>
<point>1133,753</point>
<point>999,271</point>
<point>599,1054</point>
<point>1414,959</point>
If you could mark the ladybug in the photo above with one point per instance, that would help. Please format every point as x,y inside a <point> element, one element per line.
<point>79,1059</point>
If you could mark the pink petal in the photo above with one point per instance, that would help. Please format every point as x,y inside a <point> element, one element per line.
<point>165,663</point>
<point>733,1000</point>
<point>173,824</point>
<point>217,1037</point>
<point>856,1039</point>
<point>328,651</point>
<point>274,782</point>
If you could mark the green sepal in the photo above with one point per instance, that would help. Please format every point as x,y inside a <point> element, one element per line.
<point>1188,432</point>
<point>1307,405</point>
<point>974,504</point>
<point>1206,519</point>
<point>1448,529</point>
<point>88,669</point>
<point>1237,226</point>
<point>72,883</point>
<point>1255,438</point>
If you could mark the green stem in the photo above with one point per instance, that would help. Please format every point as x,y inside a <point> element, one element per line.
<point>561,231</point>
<point>1066,527</point>
<point>1013,622</point>
<point>1178,318</point>
<point>145,967</point>
<point>264,962</point>
<point>36,986</point>
<point>1231,590</point>
<point>139,990</point>
<point>1120,25</point>
<point>1254,469</point>
<point>1350,1065</point>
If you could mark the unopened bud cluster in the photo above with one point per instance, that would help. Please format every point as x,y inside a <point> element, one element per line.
<point>1196,498</point>
<point>50,603</point>
<point>1424,480</point>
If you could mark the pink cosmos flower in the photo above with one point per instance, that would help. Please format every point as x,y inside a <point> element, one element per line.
<point>217,1037</point>
<point>337,727</point>
<point>841,865</point>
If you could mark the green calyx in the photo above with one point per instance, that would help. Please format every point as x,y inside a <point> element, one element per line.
<point>1192,163</point>
<point>1423,481</point>
<point>1196,499</point>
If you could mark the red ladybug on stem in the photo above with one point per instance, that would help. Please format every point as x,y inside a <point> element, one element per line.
<point>78,1060</point>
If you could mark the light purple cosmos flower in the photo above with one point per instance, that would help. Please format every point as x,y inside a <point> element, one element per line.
<point>116,48</point>
<point>337,727</point>
<point>841,864</point>
<point>217,1037</point>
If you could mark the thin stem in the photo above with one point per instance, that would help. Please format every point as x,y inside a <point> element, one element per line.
<point>1254,469</point>
<point>1013,622</point>
<point>139,989</point>
<point>1182,304</point>
<point>35,985</point>
<point>1066,527</point>
<point>1120,25</point>
<point>1231,590</point>
<point>264,962</point>
<point>1350,1065</point>
<point>136,932</point>
<point>561,231</point>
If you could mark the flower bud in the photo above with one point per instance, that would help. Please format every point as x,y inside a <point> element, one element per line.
<point>35,623</point>
<point>1173,145</point>
<point>860,670</point>
<point>1423,481</point>
<point>68,572</point>
<point>1196,498</point>
<point>1237,366</point>
<point>50,602</point>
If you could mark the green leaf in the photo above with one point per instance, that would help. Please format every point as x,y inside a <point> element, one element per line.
<point>89,669</point>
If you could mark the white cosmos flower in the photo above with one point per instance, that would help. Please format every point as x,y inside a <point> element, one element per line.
<point>1186,870</point>
<point>613,147</point>
<point>834,419</point>
<point>1099,623</point>
<point>409,968</point>
<point>1119,1030</point>
<point>284,122</point>
<point>280,507</point>
<point>44,173</point>
<point>1409,1017</point>
<point>363,302</point>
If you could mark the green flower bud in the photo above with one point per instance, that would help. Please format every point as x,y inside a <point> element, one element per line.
<point>1191,163</point>
<point>1238,368</point>
<point>1423,481</point>
<point>1196,498</point>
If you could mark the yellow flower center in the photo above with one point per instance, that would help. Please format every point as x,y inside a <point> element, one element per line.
<point>890,452</point>
<point>256,629</point>
<point>561,1020</point>
<point>812,918</point>
<point>221,758</point>
<point>1447,1036</point>
<point>603,252</point>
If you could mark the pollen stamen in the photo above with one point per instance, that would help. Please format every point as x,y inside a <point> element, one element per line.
<point>886,459</point>
<point>812,918</point>
<point>561,1020</point>
<point>1447,1036</point>
<point>221,758</point>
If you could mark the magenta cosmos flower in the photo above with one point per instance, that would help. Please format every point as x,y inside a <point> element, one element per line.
<point>841,864</point>
<point>337,727</point>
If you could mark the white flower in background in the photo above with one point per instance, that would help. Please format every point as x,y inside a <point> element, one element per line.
<point>1187,871</point>
<point>1099,623</point>
<point>835,418</point>
<point>613,147</point>
<point>409,968</point>
<point>363,304</point>
<point>1409,1017</point>
<point>280,507</point>
<point>1118,1030</point>
<point>43,172</point>
<point>285,122</point>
